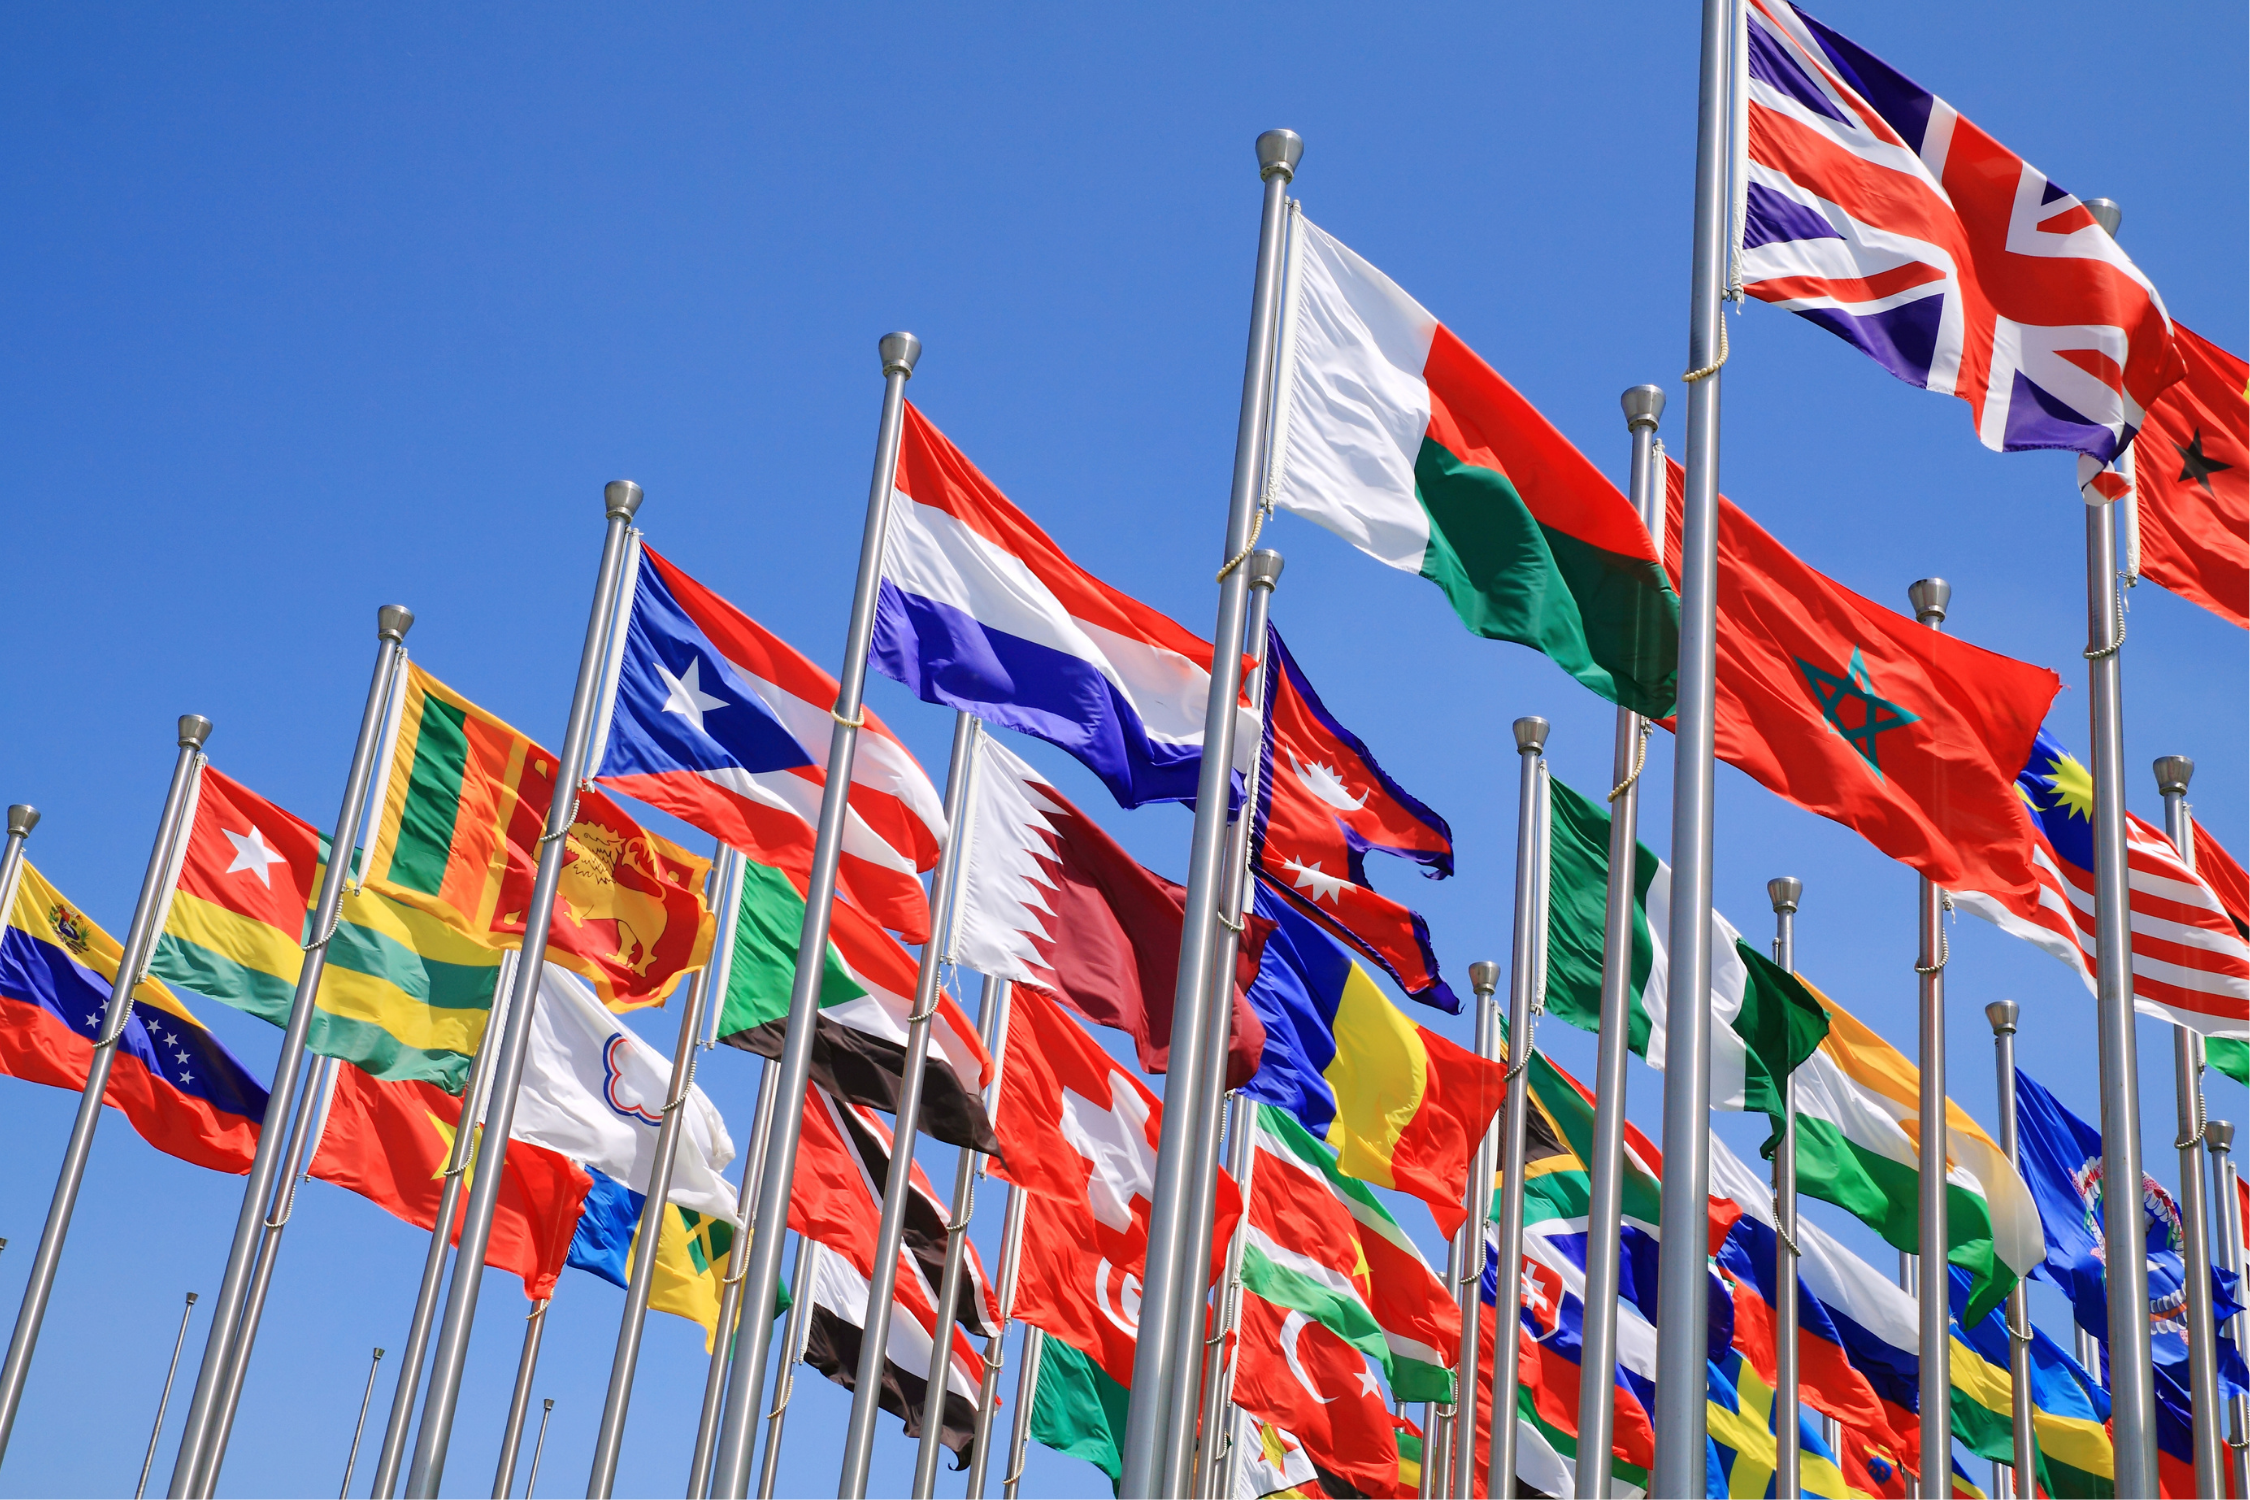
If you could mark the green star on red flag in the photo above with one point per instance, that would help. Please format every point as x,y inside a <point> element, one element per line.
<point>1852,709</point>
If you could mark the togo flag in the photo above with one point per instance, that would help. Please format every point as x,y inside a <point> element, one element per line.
<point>1393,434</point>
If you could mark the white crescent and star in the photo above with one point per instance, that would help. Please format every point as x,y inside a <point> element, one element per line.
<point>1291,1327</point>
<point>687,698</point>
<point>252,853</point>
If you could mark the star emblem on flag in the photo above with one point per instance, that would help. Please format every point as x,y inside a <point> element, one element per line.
<point>252,853</point>
<point>2196,465</point>
<point>1313,878</point>
<point>1853,709</point>
<point>687,698</point>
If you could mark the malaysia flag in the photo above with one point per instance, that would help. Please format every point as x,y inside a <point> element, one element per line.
<point>718,722</point>
<point>1870,206</point>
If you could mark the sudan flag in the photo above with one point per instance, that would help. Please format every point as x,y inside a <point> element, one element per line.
<point>1395,436</point>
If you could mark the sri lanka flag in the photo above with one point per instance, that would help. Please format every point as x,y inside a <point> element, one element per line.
<point>181,1089</point>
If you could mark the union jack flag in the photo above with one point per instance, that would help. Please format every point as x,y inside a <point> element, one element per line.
<point>1870,206</point>
<point>2191,966</point>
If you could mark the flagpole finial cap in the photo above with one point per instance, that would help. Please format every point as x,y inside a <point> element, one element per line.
<point>2218,1135</point>
<point>392,622</point>
<point>1930,596</point>
<point>2002,1014</point>
<point>1280,151</point>
<point>1531,734</point>
<point>22,818</point>
<point>2106,213</point>
<point>1785,891</point>
<point>621,499</point>
<point>194,730</point>
<point>900,351</point>
<point>1484,976</point>
<point>191,1299</point>
<point>1263,567</point>
<point>1644,406</point>
<point>2173,773</point>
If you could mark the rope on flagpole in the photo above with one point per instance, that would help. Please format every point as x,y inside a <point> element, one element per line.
<point>1711,369</point>
<point>1640,761</point>
<point>1944,949</point>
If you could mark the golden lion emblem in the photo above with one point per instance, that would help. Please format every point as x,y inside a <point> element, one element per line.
<point>608,877</point>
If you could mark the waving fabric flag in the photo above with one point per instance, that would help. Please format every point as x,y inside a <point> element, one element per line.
<point>2191,966</point>
<point>1391,433</point>
<point>1293,1371</point>
<point>1875,210</point>
<point>722,723</point>
<point>981,611</point>
<point>1323,804</point>
<point>839,1308</point>
<point>2191,470</point>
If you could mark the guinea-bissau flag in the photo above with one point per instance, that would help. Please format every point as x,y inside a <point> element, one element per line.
<point>465,801</point>
<point>1393,434</point>
<point>403,995</point>
<point>177,1084</point>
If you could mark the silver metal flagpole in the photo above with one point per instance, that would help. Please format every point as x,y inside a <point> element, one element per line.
<point>898,1182</point>
<point>392,622</point>
<point>1597,1396</point>
<point>391,1457</point>
<point>730,1478</point>
<point>2219,1135</point>
<point>2173,773</point>
<point>359,1430</point>
<point>1484,979</point>
<point>156,1431</point>
<point>1523,978</point>
<point>2002,1014</point>
<point>1189,1350</point>
<point>1027,1393</point>
<point>1930,597</point>
<point>1242,1165</point>
<point>1682,1285</point>
<point>519,1401</point>
<point>1786,891</point>
<point>22,818</point>
<point>730,1300</point>
<point>2132,1389</point>
<point>621,498</point>
<point>1153,1407</point>
<point>538,1446</point>
<point>140,940</point>
<point>793,1340</point>
<point>995,1348</point>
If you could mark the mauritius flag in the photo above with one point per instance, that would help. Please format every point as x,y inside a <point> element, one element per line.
<point>1395,436</point>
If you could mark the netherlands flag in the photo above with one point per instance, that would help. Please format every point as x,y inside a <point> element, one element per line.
<point>981,611</point>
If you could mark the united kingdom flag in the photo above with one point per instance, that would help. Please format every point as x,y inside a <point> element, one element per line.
<point>1870,206</point>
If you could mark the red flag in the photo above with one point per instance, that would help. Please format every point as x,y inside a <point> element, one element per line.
<point>1296,1374</point>
<point>2224,874</point>
<point>2191,464</point>
<point>1907,736</point>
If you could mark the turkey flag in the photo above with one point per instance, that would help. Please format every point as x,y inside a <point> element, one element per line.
<point>1296,1374</point>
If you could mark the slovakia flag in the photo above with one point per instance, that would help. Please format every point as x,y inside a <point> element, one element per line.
<point>716,722</point>
<point>981,611</point>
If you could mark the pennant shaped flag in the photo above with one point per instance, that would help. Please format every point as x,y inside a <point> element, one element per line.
<point>839,1310</point>
<point>2191,472</point>
<point>1292,1371</point>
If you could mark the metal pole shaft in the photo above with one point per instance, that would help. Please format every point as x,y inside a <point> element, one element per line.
<point>730,1478</point>
<point>140,938</point>
<point>1242,1164</point>
<point>359,1430</point>
<point>1523,976</point>
<point>2002,1014</point>
<point>1786,892</point>
<point>1152,1407</point>
<point>538,1447</point>
<point>519,1402</point>
<point>392,622</point>
<point>2173,772</point>
<point>1484,978</point>
<point>1437,1445</point>
<point>2220,1135</point>
<point>1597,1393</point>
<point>1027,1393</point>
<point>1930,597</point>
<point>792,1352</point>
<point>156,1431</point>
<point>890,1232</point>
<point>1011,1259</point>
<point>609,1439</point>
<point>621,498</point>
<point>1682,1334</point>
<point>730,1300</point>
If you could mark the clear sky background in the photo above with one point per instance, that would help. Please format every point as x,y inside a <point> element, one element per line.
<point>314,309</point>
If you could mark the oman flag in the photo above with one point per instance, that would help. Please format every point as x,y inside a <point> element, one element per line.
<point>1395,436</point>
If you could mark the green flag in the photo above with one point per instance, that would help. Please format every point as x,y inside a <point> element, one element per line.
<point>1077,1409</point>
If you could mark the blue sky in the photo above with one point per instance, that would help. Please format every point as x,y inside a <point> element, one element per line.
<point>321,308</point>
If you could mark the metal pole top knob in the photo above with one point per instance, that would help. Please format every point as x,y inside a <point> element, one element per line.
<point>549,1403</point>
<point>378,1354</point>
<point>191,1299</point>
<point>2218,1135</point>
<point>900,351</point>
<point>194,730</point>
<point>1263,567</point>
<point>1531,734</point>
<point>1930,597</point>
<point>22,818</point>
<point>1279,151</point>
<point>2106,213</point>
<point>2002,1015</point>
<point>620,499</point>
<point>2173,773</point>
<point>1785,891</point>
<point>392,622</point>
<point>1644,406</point>
<point>1484,976</point>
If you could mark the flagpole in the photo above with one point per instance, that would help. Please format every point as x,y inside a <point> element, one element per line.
<point>995,1348</point>
<point>621,498</point>
<point>22,818</point>
<point>730,1299</point>
<point>1682,1284</point>
<point>2002,1014</point>
<point>1523,978</point>
<point>2124,1236</point>
<point>2173,773</point>
<point>792,1353</point>
<point>1785,891</point>
<point>1153,1404</point>
<point>1189,1351</point>
<point>731,1476</point>
<point>1242,1165</point>
<point>1597,1401</point>
<point>1027,1393</point>
<point>519,1401</point>
<point>2220,1136</point>
<point>898,1180</point>
<point>1484,978</point>
<point>392,622</point>
<point>359,1430</point>
<point>140,940</point>
<point>538,1446</point>
<point>157,1430</point>
<point>408,1384</point>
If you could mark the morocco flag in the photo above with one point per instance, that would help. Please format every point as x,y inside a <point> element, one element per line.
<point>1907,736</point>
<point>1395,436</point>
<point>2191,464</point>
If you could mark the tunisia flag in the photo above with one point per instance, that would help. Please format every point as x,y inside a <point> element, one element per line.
<point>1907,736</point>
<point>2191,464</point>
<point>1295,1373</point>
